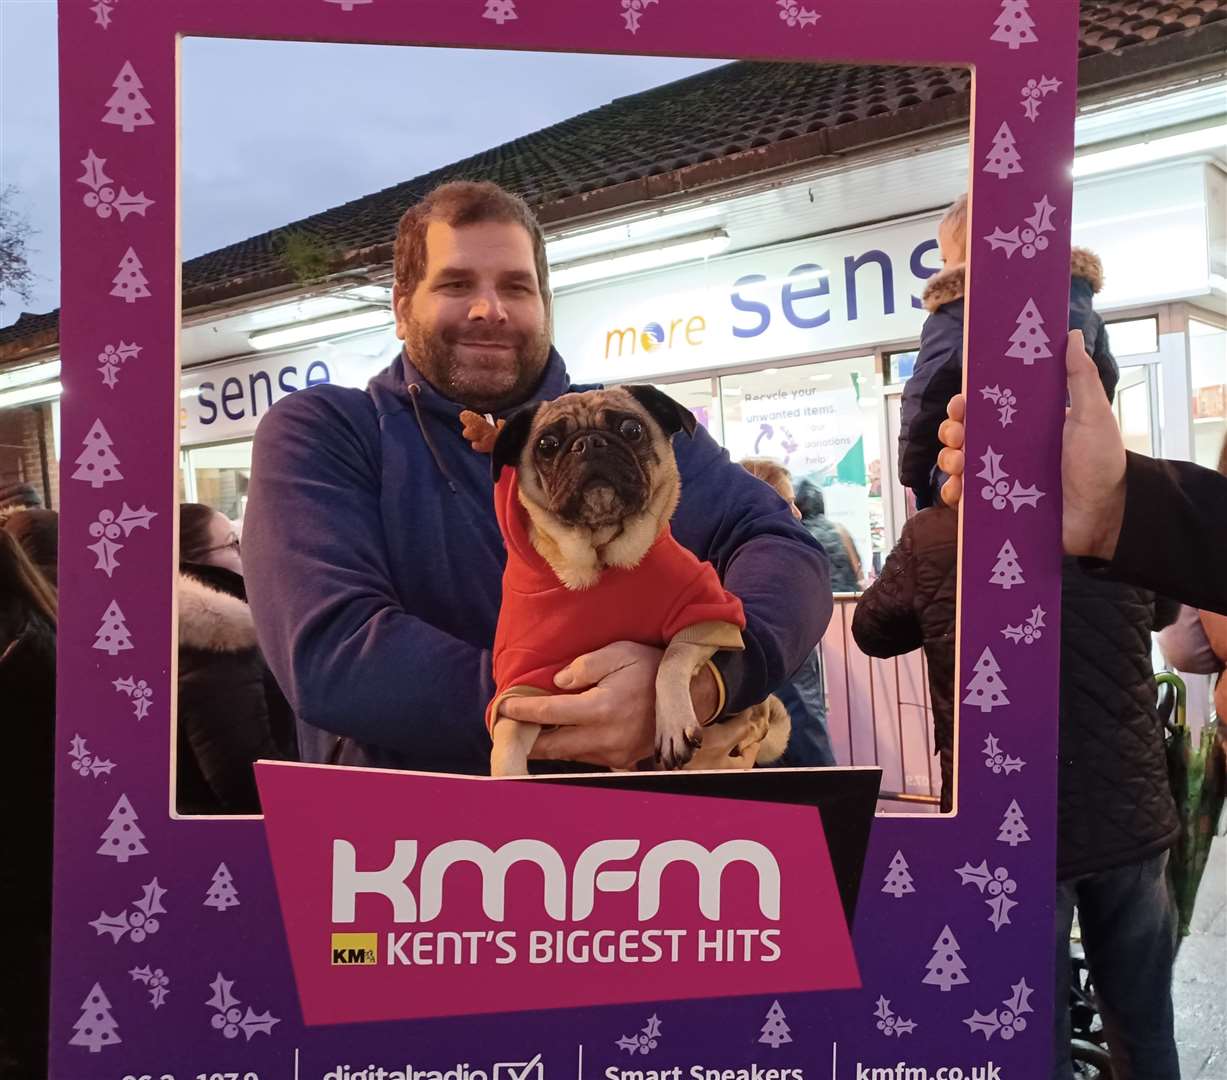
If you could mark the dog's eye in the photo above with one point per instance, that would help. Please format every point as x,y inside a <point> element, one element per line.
<point>631,430</point>
<point>547,445</point>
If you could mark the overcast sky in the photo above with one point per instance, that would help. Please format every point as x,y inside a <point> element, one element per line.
<point>274,131</point>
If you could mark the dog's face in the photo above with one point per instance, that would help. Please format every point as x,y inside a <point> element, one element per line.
<point>596,459</point>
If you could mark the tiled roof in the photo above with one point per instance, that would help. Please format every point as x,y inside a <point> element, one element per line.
<point>724,124</point>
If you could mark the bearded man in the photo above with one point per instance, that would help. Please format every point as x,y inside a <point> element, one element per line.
<point>374,558</point>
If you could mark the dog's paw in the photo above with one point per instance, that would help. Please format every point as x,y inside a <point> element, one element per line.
<point>675,746</point>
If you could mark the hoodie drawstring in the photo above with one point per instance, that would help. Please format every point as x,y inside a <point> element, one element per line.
<point>430,443</point>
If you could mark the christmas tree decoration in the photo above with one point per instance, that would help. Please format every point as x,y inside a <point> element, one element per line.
<point>946,968</point>
<point>500,11</point>
<point>889,1024</point>
<point>647,1039</point>
<point>1003,158</point>
<point>1014,26</point>
<point>86,763</point>
<point>775,1030</point>
<point>97,463</point>
<point>96,1027</point>
<point>1006,570</point>
<point>112,636</point>
<point>127,107</point>
<point>1009,1020</point>
<point>898,882</point>
<point>1013,829</point>
<point>222,893</point>
<point>986,691</point>
<point>1029,343</point>
<point>122,839</point>
<point>130,283</point>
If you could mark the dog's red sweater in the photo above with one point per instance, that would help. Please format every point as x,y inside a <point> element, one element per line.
<point>543,625</point>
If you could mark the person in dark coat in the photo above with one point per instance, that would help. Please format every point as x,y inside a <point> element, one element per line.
<point>938,374</point>
<point>804,694</point>
<point>1116,818</point>
<point>38,532</point>
<point>27,689</point>
<point>834,538</point>
<point>231,712</point>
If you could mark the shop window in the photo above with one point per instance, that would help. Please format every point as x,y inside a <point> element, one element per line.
<point>699,396</point>
<point>1208,370</point>
<point>900,365</point>
<point>1132,337</point>
<point>824,423</point>
<point>1132,407</point>
<point>218,477</point>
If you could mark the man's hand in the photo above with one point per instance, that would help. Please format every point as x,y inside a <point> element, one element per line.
<point>612,722</point>
<point>1092,459</point>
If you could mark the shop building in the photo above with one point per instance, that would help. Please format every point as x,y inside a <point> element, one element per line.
<point>755,239</point>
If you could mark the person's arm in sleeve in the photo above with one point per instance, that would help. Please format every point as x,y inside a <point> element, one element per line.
<point>348,656</point>
<point>885,622</point>
<point>936,378</point>
<point>764,556</point>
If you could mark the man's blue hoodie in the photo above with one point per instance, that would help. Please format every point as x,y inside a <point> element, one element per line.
<point>374,568</point>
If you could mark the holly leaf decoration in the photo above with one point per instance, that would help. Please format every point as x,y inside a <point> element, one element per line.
<point>1020,1000</point>
<point>127,351</point>
<point>979,876</point>
<point>1000,240</point>
<point>142,708</point>
<point>141,974</point>
<point>1049,85</point>
<point>1031,108</point>
<point>106,552</point>
<point>883,1010</point>
<point>905,1027</point>
<point>130,519</point>
<point>99,766</point>
<point>807,17</point>
<point>652,1028</point>
<point>992,471</point>
<point>108,375</point>
<point>1014,633</point>
<point>984,1023</point>
<point>78,750</point>
<point>151,899</point>
<point>1041,220</point>
<point>628,1043</point>
<point>1000,908</point>
<point>991,746</point>
<point>102,14</point>
<point>991,393</point>
<point>1012,764</point>
<point>127,204</point>
<point>1036,619</point>
<point>1021,496</point>
<point>94,177</point>
<point>1006,415</point>
<point>257,1023</point>
<point>157,995</point>
<point>222,998</point>
<point>115,925</point>
<point>126,685</point>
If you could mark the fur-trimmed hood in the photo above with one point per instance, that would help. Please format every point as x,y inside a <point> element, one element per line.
<point>951,283</point>
<point>212,620</point>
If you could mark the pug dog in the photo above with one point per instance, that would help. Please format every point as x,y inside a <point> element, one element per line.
<point>586,486</point>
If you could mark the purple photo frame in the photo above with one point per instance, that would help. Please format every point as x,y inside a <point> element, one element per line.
<point>198,971</point>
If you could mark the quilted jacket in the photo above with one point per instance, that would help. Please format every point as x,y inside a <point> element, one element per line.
<point>1114,803</point>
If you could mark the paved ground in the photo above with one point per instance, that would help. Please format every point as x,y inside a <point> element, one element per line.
<point>1200,990</point>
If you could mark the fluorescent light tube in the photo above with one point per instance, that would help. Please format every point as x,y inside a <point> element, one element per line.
<point>330,326</point>
<point>1143,153</point>
<point>644,257</point>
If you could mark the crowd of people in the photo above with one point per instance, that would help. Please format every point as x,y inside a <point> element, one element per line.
<point>354,620</point>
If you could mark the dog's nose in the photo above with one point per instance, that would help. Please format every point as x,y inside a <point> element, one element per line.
<point>584,445</point>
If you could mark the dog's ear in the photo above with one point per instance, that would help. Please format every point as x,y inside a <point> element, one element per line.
<point>671,415</point>
<point>512,437</point>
